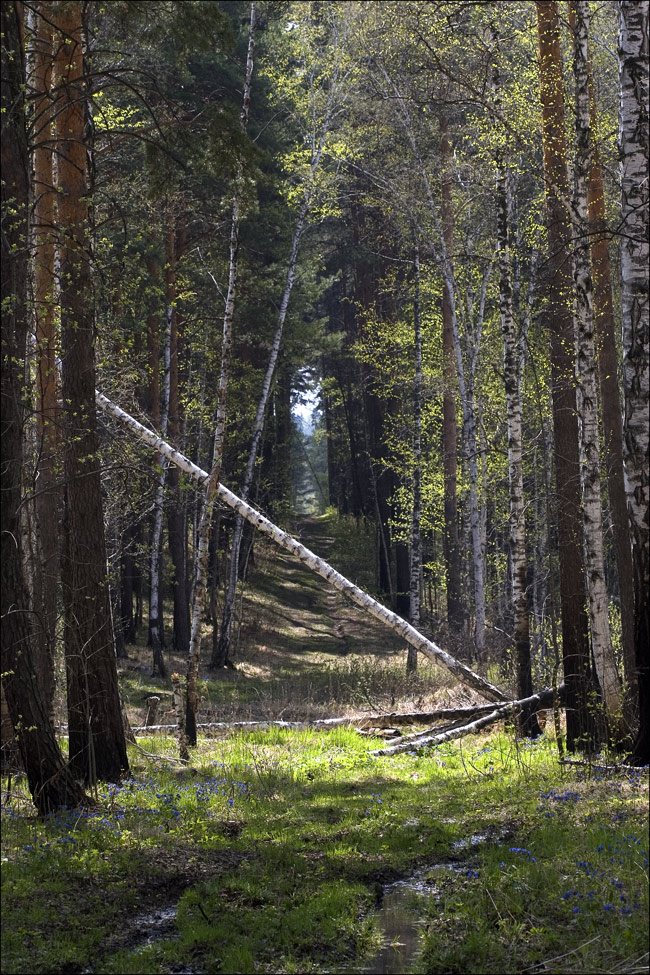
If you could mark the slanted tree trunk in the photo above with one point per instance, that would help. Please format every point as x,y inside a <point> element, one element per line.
<point>575,646</point>
<point>206,519</point>
<point>449,427</point>
<point>601,642</point>
<point>281,538</point>
<point>50,780</point>
<point>526,719</point>
<point>416,518</point>
<point>633,144</point>
<point>96,733</point>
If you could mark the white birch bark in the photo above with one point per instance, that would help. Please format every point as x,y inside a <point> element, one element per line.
<point>416,544</point>
<point>205,522</point>
<point>155,602</point>
<point>633,142</point>
<point>633,145</point>
<point>313,562</point>
<point>601,642</point>
<point>428,739</point>
<point>512,363</point>
<point>318,145</point>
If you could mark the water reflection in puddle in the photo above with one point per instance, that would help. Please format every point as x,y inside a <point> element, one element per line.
<point>399,920</point>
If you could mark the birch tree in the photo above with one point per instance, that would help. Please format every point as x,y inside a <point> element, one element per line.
<point>313,562</point>
<point>517,522</point>
<point>601,642</point>
<point>559,287</point>
<point>633,146</point>
<point>203,535</point>
<point>609,375</point>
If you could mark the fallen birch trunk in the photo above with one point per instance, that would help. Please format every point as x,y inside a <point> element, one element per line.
<point>308,558</point>
<point>354,721</point>
<point>429,740</point>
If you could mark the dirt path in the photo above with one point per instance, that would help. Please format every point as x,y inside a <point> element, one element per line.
<point>303,644</point>
<point>320,615</point>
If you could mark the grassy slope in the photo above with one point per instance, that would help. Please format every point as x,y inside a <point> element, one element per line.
<point>276,846</point>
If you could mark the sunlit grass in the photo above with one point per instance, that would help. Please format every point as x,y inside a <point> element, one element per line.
<point>273,846</point>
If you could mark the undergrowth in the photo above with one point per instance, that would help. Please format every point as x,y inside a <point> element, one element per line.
<point>271,854</point>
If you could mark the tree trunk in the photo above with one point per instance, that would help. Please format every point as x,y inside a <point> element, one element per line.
<point>176,512</point>
<point>50,780</point>
<point>575,646</point>
<point>339,582</point>
<point>203,545</point>
<point>416,517</point>
<point>526,719</point>
<point>48,444</point>
<point>156,628</point>
<point>96,733</point>
<point>450,381</point>
<point>601,642</point>
<point>605,328</point>
<point>633,144</point>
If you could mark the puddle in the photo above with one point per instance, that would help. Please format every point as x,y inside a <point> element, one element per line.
<point>156,925</point>
<point>470,841</point>
<point>399,921</point>
<point>146,929</point>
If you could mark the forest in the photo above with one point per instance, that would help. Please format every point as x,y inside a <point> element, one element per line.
<point>325,485</point>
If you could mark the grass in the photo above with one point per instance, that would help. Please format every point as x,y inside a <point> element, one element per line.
<point>272,853</point>
<point>274,849</point>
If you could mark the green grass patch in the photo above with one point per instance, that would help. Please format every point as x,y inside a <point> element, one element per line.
<point>270,855</point>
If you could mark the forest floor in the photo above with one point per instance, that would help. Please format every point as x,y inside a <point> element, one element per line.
<point>289,851</point>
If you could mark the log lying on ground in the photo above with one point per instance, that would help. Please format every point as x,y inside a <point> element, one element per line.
<point>416,743</point>
<point>308,558</point>
<point>394,719</point>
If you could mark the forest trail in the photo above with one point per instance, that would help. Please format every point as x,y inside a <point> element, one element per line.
<point>312,617</point>
<point>304,651</point>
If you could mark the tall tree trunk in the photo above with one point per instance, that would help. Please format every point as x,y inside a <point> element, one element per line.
<point>605,328</point>
<point>575,646</point>
<point>50,780</point>
<point>601,642</point>
<point>281,538</point>
<point>156,628</point>
<point>203,545</point>
<point>527,719</point>
<point>96,733</point>
<point>176,527</point>
<point>48,444</point>
<point>467,388</point>
<point>449,431</point>
<point>633,144</point>
<point>416,517</point>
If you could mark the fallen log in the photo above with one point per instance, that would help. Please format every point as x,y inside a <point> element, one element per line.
<point>427,739</point>
<point>355,721</point>
<point>308,558</point>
